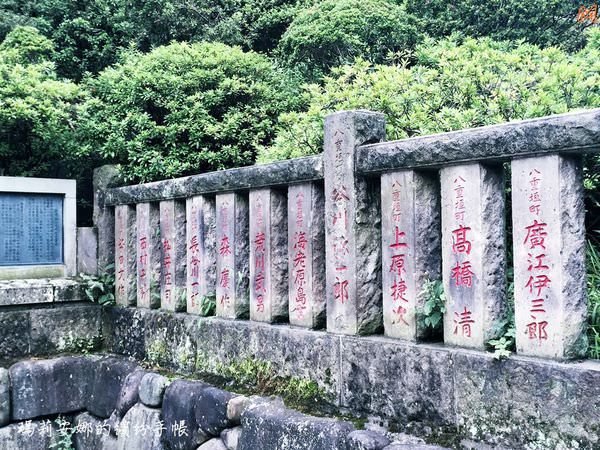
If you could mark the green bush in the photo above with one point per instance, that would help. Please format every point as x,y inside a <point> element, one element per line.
<point>37,111</point>
<point>544,23</point>
<point>453,85</point>
<point>336,32</point>
<point>184,109</point>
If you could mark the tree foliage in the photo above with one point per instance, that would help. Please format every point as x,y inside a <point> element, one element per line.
<point>184,109</point>
<point>336,32</point>
<point>455,84</point>
<point>37,110</point>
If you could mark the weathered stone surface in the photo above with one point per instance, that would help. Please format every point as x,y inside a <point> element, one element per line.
<point>528,403</point>
<point>37,435</point>
<point>173,270</point>
<point>140,429</point>
<point>352,226</point>
<point>235,408</point>
<point>23,292</point>
<point>14,333</point>
<point>148,253</point>
<point>268,256</point>
<point>394,446</point>
<point>104,217</point>
<point>108,379</point>
<point>306,255</point>
<point>270,426</point>
<point>170,341</point>
<point>280,173</point>
<point>65,329</point>
<point>68,290</point>
<point>92,433</point>
<point>123,330</point>
<point>397,379</point>
<point>473,253</point>
<point>211,410</point>
<point>125,256</point>
<point>213,444</point>
<point>129,394</point>
<point>87,250</point>
<point>179,408</point>
<point>4,397</point>
<point>231,437</point>
<point>201,256</point>
<point>366,440</point>
<point>232,256</point>
<point>578,131</point>
<point>549,256</point>
<point>410,217</point>
<point>46,387</point>
<point>152,389</point>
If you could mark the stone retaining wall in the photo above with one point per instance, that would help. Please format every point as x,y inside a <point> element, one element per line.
<point>107,403</point>
<point>520,402</point>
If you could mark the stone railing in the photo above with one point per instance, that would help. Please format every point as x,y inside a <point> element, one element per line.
<point>347,239</point>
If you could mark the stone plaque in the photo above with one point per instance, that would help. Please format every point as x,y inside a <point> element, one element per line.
<point>473,253</point>
<point>31,229</point>
<point>201,259</point>
<point>410,223</point>
<point>352,226</point>
<point>549,256</point>
<point>268,256</point>
<point>232,256</point>
<point>148,248</point>
<point>125,256</point>
<point>306,254</point>
<point>172,236</point>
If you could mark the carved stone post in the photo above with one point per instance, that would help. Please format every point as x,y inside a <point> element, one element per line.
<point>352,226</point>
<point>125,267</point>
<point>410,218</point>
<point>268,256</point>
<point>232,256</point>
<point>549,256</point>
<point>306,254</point>
<point>148,247</point>
<point>172,237</point>
<point>473,253</point>
<point>201,261</point>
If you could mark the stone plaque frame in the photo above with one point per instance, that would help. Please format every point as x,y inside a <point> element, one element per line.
<point>66,188</point>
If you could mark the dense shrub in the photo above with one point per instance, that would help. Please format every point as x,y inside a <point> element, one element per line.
<point>336,32</point>
<point>544,22</point>
<point>454,85</point>
<point>37,111</point>
<point>184,109</point>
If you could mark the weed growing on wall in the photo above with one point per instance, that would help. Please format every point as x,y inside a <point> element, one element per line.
<point>101,289</point>
<point>593,285</point>
<point>432,314</point>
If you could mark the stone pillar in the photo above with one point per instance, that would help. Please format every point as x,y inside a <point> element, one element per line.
<point>172,236</point>
<point>125,236</point>
<point>473,253</point>
<point>232,256</point>
<point>104,216</point>
<point>268,256</point>
<point>148,248</point>
<point>411,244</point>
<point>306,255</point>
<point>87,250</point>
<point>352,226</point>
<point>549,256</point>
<point>201,260</point>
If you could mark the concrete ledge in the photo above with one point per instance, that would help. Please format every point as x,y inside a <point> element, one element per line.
<point>279,173</point>
<point>571,132</point>
<point>35,291</point>
<point>516,403</point>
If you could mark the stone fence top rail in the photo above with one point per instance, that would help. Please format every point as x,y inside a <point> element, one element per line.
<point>570,132</point>
<point>281,173</point>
